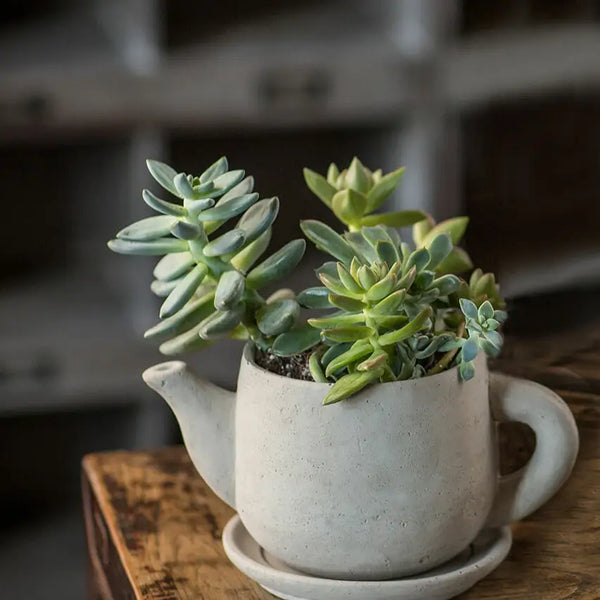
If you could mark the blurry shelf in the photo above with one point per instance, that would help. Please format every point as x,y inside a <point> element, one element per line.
<point>520,63</point>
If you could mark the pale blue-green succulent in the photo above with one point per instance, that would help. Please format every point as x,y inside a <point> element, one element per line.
<point>208,278</point>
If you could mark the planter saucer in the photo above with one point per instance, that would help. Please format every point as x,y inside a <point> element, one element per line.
<point>444,582</point>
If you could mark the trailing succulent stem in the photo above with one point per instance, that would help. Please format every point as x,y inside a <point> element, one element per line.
<point>208,276</point>
<point>396,312</point>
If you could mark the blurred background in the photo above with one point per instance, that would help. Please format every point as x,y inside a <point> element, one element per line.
<point>493,107</point>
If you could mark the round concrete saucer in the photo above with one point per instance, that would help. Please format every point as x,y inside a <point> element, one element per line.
<point>452,578</point>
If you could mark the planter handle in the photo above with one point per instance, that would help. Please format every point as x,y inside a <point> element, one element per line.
<point>557,443</point>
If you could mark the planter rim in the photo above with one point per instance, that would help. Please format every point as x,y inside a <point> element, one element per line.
<point>248,358</point>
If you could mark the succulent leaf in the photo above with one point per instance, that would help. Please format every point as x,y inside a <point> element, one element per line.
<point>346,303</point>
<point>393,337</point>
<point>455,227</point>
<point>347,280</point>
<point>296,341</point>
<point>163,174</point>
<point>328,240</point>
<point>383,189</point>
<point>183,291</point>
<point>227,181</point>
<point>277,265</point>
<point>258,218</point>
<point>338,319</point>
<point>229,209</point>
<point>358,351</point>
<point>173,266</point>
<point>184,187</point>
<point>348,205</point>
<point>220,323</point>
<point>228,242</point>
<point>458,261</point>
<point>150,228</point>
<point>230,290</point>
<point>319,186</point>
<point>314,297</point>
<point>219,167</point>
<point>167,208</point>
<point>186,231</point>
<point>347,334</point>
<point>350,384</point>
<point>246,257</point>
<point>277,317</point>
<point>149,248</point>
<point>185,342</point>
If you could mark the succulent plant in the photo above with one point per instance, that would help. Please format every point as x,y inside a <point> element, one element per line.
<point>398,312</point>
<point>209,278</point>
<point>356,192</point>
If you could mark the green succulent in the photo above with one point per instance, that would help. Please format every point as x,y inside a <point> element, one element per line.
<point>397,311</point>
<point>208,276</point>
<point>356,192</point>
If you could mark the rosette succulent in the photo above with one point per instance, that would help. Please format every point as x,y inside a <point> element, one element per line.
<point>208,277</point>
<point>398,312</point>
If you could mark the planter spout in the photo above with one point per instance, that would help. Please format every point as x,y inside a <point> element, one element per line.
<point>206,416</point>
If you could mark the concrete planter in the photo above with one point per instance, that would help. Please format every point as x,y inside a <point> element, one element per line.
<point>394,481</point>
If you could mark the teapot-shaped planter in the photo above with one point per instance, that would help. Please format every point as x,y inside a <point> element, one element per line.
<point>392,482</point>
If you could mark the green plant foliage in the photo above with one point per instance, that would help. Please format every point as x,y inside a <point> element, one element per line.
<point>353,194</point>
<point>398,313</point>
<point>209,281</point>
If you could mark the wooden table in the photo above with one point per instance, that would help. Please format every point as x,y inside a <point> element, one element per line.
<point>154,529</point>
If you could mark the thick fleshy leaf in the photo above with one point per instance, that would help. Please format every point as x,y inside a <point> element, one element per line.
<point>189,316</point>
<point>361,248</point>
<point>358,351</point>
<point>217,168</point>
<point>336,286</point>
<point>228,242</point>
<point>328,268</point>
<point>149,248</point>
<point>173,266</point>
<point>186,231</point>
<point>486,311</point>
<point>246,186</point>
<point>382,288</point>
<point>296,341</point>
<point>345,303</point>
<point>258,218</point>
<point>484,285</point>
<point>221,323</point>
<point>164,174</point>
<point>357,177</point>
<point>403,218</point>
<point>227,181</point>
<point>390,304</point>
<point>196,206</point>
<point>390,321</point>
<point>376,234</point>
<point>458,261</point>
<point>407,280</point>
<point>227,210</point>
<point>319,186</point>
<point>203,190</point>
<point>332,173</point>
<point>277,317</point>
<point>183,291</point>
<point>167,208</point>
<point>328,240</point>
<point>347,334</point>
<point>314,297</point>
<point>185,342</point>
<point>418,259</point>
<point>466,371</point>
<point>439,248</point>
<point>151,228</point>
<point>339,319</point>
<point>163,288</point>
<point>383,189</point>
<point>455,227</point>
<point>347,279</point>
<point>393,337</point>
<point>447,284</point>
<point>246,257</point>
<point>494,338</point>
<point>387,252</point>
<point>421,229</point>
<point>314,366</point>
<point>349,205</point>
<point>469,350</point>
<point>230,290</point>
<point>350,384</point>
<point>366,277</point>
<point>468,308</point>
<point>277,265</point>
<point>184,187</point>
<point>378,359</point>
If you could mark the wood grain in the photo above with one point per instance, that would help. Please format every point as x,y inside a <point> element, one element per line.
<point>154,529</point>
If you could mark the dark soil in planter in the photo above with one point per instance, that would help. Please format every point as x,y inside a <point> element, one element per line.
<point>294,367</point>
